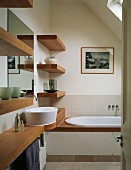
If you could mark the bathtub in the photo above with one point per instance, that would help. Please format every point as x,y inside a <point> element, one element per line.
<point>86,143</point>
<point>95,121</point>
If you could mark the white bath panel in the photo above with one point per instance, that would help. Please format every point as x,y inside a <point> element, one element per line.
<point>82,143</point>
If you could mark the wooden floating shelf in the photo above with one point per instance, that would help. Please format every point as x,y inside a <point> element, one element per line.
<point>16,4</point>
<point>52,42</point>
<point>12,46</point>
<point>51,95</point>
<point>51,68</point>
<point>27,39</point>
<point>26,67</point>
<point>13,104</point>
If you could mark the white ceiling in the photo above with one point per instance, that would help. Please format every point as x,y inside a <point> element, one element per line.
<point>99,7</point>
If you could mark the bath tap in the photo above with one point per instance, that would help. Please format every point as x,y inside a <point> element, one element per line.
<point>117,107</point>
<point>113,106</point>
<point>109,106</point>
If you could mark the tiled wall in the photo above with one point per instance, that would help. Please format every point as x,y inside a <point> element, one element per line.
<point>93,105</point>
<point>7,120</point>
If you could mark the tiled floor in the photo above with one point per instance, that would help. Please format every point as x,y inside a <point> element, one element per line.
<point>82,166</point>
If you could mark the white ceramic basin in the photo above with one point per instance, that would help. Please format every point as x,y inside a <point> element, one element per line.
<point>40,116</point>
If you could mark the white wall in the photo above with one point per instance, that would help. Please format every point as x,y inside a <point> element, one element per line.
<point>3,60</point>
<point>77,26</point>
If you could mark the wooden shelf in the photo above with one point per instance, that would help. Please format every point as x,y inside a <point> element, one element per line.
<point>16,4</point>
<point>13,104</point>
<point>12,46</point>
<point>27,39</point>
<point>26,67</point>
<point>52,42</point>
<point>51,95</point>
<point>51,68</point>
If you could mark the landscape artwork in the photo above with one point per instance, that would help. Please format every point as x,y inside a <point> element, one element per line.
<point>97,60</point>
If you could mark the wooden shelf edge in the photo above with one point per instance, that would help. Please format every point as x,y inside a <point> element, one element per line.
<point>12,46</point>
<point>52,42</point>
<point>51,68</point>
<point>51,95</point>
<point>60,117</point>
<point>14,104</point>
<point>26,67</point>
<point>27,39</point>
<point>16,4</point>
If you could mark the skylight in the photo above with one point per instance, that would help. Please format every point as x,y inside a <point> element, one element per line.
<point>119,2</point>
<point>116,7</point>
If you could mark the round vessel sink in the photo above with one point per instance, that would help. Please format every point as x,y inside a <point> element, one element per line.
<point>40,116</point>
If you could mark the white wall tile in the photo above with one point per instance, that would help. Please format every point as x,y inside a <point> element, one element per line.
<point>88,105</point>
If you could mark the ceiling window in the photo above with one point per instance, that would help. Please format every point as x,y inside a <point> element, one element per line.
<point>119,1</point>
<point>116,7</point>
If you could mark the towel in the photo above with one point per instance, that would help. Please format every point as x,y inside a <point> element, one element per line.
<point>29,158</point>
<point>32,156</point>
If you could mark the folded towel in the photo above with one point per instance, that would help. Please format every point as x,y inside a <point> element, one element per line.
<point>29,159</point>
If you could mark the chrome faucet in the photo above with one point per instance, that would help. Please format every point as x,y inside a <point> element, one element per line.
<point>117,107</point>
<point>113,106</point>
<point>109,106</point>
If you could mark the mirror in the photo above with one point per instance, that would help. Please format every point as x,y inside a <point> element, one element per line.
<point>18,77</point>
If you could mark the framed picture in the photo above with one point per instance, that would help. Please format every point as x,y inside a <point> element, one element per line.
<point>13,61</point>
<point>97,60</point>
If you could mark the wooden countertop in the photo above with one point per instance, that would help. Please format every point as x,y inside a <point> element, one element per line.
<point>12,143</point>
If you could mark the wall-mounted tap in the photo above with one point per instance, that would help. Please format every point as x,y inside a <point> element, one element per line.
<point>117,107</point>
<point>109,106</point>
<point>113,106</point>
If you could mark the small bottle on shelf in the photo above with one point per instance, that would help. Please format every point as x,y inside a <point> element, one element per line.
<point>21,126</point>
<point>17,123</point>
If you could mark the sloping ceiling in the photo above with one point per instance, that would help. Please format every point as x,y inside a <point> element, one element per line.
<point>99,7</point>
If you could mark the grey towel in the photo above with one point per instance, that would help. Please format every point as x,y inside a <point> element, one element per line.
<point>29,159</point>
<point>32,156</point>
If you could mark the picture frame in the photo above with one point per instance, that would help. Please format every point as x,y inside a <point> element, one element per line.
<point>97,60</point>
<point>13,61</point>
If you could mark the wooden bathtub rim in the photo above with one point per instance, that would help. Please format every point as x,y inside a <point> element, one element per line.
<point>64,127</point>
